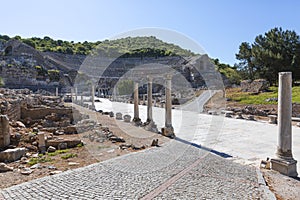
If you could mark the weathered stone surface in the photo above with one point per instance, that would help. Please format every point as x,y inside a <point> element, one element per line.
<point>5,168</point>
<point>51,149</point>
<point>70,130</point>
<point>4,131</point>
<point>255,86</point>
<point>119,116</point>
<point>11,155</point>
<point>127,118</point>
<point>70,142</point>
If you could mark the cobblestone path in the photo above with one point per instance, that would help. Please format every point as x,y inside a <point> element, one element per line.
<point>174,171</point>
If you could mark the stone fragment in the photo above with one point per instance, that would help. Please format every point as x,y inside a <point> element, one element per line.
<point>127,118</point>
<point>4,131</point>
<point>119,116</point>
<point>73,163</point>
<point>5,168</point>
<point>26,171</point>
<point>272,119</point>
<point>20,124</point>
<point>36,166</point>
<point>55,172</point>
<point>51,149</point>
<point>154,143</point>
<point>62,145</point>
<point>11,155</point>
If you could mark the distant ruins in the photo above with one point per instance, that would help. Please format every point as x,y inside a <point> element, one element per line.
<point>22,66</point>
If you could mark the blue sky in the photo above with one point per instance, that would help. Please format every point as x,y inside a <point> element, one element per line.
<point>219,26</point>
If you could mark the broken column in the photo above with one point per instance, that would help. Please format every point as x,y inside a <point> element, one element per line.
<point>136,118</point>
<point>285,163</point>
<point>150,125</point>
<point>168,130</point>
<point>56,91</point>
<point>4,131</point>
<point>42,142</point>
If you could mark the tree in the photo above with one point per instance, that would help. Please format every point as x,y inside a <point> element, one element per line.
<point>273,52</point>
<point>246,65</point>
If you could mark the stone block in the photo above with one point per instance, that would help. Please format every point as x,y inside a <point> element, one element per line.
<point>11,155</point>
<point>286,167</point>
<point>127,118</point>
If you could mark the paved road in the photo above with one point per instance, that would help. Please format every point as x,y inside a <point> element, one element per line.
<point>174,171</point>
<point>177,170</point>
<point>251,141</point>
<point>198,103</point>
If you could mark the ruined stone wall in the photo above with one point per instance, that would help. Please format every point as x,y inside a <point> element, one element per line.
<point>40,113</point>
<point>4,131</point>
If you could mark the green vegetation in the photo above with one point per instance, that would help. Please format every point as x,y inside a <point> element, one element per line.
<point>275,51</point>
<point>69,155</point>
<point>80,145</point>
<point>230,72</point>
<point>34,161</point>
<point>235,94</point>
<point>58,152</point>
<point>128,47</point>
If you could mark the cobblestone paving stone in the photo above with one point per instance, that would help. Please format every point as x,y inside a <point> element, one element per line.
<point>135,175</point>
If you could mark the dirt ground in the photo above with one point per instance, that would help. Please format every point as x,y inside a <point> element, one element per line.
<point>91,152</point>
<point>284,187</point>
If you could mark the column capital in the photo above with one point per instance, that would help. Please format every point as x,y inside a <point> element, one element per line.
<point>149,78</point>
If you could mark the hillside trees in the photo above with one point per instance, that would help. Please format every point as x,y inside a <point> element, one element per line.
<point>275,51</point>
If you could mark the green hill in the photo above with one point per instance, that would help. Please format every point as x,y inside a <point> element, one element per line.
<point>129,46</point>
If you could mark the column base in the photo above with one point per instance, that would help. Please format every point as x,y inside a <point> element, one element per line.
<point>285,167</point>
<point>137,121</point>
<point>168,132</point>
<point>151,126</point>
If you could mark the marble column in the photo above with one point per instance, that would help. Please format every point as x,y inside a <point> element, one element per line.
<point>149,100</point>
<point>76,94</point>
<point>56,91</point>
<point>284,163</point>
<point>93,96</point>
<point>136,118</point>
<point>168,130</point>
<point>150,125</point>
<point>72,98</point>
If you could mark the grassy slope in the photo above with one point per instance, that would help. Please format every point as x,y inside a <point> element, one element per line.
<point>235,94</point>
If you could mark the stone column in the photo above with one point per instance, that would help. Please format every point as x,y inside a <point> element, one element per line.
<point>93,96</point>
<point>56,91</point>
<point>42,142</point>
<point>168,130</point>
<point>76,94</point>
<point>144,99</point>
<point>150,125</point>
<point>136,118</point>
<point>4,131</point>
<point>284,163</point>
<point>72,98</point>
<point>149,99</point>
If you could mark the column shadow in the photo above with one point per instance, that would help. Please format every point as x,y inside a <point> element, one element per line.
<point>222,154</point>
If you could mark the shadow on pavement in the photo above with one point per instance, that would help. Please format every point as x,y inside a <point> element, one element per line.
<point>222,154</point>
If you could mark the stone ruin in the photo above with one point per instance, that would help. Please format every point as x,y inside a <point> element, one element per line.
<point>24,116</point>
<point>4,131</point>
<point>255,86</point>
